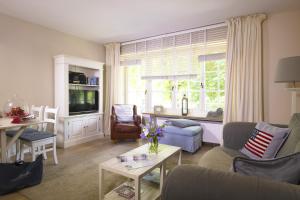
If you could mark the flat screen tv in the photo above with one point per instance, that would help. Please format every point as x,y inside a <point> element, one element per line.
<point>83,101</point>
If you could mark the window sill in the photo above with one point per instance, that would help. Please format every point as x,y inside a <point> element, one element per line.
<point>174,116</point>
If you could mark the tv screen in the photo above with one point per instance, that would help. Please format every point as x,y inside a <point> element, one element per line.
<point>83,101</point>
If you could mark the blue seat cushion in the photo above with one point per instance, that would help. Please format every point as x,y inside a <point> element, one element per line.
<point>34,136</point>
<point>187,131</point>
<point>12,133</point>
<point>182,123</point>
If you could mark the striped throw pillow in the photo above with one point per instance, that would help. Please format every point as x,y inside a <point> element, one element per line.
<point>265,141</point>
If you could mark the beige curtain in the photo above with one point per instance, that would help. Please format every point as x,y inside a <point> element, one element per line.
<point>113,82</point>
<point>243,89</point>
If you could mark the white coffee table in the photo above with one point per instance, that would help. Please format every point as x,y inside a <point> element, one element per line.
<point>159,161</point>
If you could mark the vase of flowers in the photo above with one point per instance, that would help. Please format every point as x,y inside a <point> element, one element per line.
<point>152,134</point>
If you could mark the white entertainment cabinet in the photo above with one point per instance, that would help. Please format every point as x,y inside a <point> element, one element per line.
<point>78,128</point>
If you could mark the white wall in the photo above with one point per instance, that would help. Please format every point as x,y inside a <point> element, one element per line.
<point>281,38</point>
<point>26,59</point>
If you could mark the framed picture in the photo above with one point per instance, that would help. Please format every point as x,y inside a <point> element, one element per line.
<point>158,109</point>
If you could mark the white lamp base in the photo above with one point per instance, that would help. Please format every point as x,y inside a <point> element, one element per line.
<point>294,107</point>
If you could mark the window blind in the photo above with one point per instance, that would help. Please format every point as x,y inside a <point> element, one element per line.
<point>177,55</point>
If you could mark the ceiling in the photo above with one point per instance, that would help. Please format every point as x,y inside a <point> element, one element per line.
<point>105,21</point>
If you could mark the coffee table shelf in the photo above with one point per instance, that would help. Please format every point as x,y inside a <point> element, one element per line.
<point>148,191</point>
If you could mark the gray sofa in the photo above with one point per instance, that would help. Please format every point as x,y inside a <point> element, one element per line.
<point>213,179</point>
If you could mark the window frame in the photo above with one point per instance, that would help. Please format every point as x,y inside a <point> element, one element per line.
<point>198,110</point>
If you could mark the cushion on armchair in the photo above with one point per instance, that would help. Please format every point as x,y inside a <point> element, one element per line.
<point>286,169</point>
<point>265,141</point>
<point>124,113</point>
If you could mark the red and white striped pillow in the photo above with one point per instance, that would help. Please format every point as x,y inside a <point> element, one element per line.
<point>265,141</point>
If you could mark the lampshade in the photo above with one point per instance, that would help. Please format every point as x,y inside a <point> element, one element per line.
<point>288,70</point>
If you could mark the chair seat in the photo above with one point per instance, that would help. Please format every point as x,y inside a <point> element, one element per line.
<point>126,127</point>
<point>35,136</point>
<point>12,133</point>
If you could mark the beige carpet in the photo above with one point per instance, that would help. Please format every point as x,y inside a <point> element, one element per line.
<point>76,175</point>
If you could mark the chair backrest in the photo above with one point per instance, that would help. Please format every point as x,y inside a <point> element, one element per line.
<point>50,117</point>
<point>124,112</point>
<point>37,111</point>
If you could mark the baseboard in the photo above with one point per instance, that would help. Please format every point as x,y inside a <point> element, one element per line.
<point>74,142</point>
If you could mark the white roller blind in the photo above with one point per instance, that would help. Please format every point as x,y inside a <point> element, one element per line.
<point>176,55</point>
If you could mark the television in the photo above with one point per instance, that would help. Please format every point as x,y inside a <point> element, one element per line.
<point>83,101</point>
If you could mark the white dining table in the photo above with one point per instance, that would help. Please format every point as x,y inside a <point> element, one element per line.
<point>5,124</point>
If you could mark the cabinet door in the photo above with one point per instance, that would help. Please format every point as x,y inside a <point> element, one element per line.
<point>92,125</point>
<point>76,128</point>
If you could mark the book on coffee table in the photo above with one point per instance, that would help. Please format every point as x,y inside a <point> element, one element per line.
<point>135,161</point>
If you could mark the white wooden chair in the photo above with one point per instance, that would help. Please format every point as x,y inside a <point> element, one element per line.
<point>38,112</point>
<point>41,142</point>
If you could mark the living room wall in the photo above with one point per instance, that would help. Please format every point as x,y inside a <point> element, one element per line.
<point>281,38</point>
<point>26,59</point>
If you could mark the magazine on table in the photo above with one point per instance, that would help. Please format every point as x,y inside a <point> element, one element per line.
<point>135,161</point>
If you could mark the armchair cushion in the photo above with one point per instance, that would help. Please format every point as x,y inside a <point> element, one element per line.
<point>126,128</point>
<point>286,169</point>
<point>124,113</point>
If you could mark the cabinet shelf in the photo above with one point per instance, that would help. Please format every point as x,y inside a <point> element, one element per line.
<point>83,85</point>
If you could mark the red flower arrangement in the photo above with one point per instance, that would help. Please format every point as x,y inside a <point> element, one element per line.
<point>17,114</point>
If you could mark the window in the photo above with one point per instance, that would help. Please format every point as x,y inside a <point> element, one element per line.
<point>161,71</point>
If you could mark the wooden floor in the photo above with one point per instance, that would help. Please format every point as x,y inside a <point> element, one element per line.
<point>76,175</point>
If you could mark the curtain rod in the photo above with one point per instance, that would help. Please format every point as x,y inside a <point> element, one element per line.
<point>175,33</point>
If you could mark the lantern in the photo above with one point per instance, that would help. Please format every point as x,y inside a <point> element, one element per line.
<point>184,105</point>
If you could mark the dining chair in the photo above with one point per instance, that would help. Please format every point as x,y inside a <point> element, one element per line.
<point>37,111</point>
<point>41,142</point>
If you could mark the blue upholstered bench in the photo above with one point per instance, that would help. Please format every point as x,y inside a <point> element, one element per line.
<point>187,134</point>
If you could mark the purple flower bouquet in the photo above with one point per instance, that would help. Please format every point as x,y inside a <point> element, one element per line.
<point>152,134</point>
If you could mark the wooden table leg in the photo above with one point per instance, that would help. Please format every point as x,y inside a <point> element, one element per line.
<point>3,147</point>
<point>137,189</point>
<point>101,182</point>
<point>162,176</point>
<point>179,158</point>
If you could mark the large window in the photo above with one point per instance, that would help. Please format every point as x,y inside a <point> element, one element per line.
<point>161,71</point>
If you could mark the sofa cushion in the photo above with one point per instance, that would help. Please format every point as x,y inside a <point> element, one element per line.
<point>182,123</point>
<point>126,127</point>
<point>292,144</point>
<point>286,169</point>
<point>219,158</point>
<point>188,131</point>
<point>265,141</point>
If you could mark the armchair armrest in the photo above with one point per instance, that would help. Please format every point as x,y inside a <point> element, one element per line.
<point>194,182</point>
<point>137,120</point>
<point>113,120</point>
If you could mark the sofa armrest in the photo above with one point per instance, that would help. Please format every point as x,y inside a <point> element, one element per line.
<point>194,182</point>
<point>236,134</point>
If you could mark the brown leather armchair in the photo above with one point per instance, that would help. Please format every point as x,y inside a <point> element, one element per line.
<point>125,129</point>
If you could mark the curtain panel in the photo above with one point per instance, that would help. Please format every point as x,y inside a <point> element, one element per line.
<point>113,80</point>
<point>243,88</point>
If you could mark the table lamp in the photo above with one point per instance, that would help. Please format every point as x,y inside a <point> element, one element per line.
<point>288,71</point>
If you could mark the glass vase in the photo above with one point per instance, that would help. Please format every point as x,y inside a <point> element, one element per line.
<point>153,146</point>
